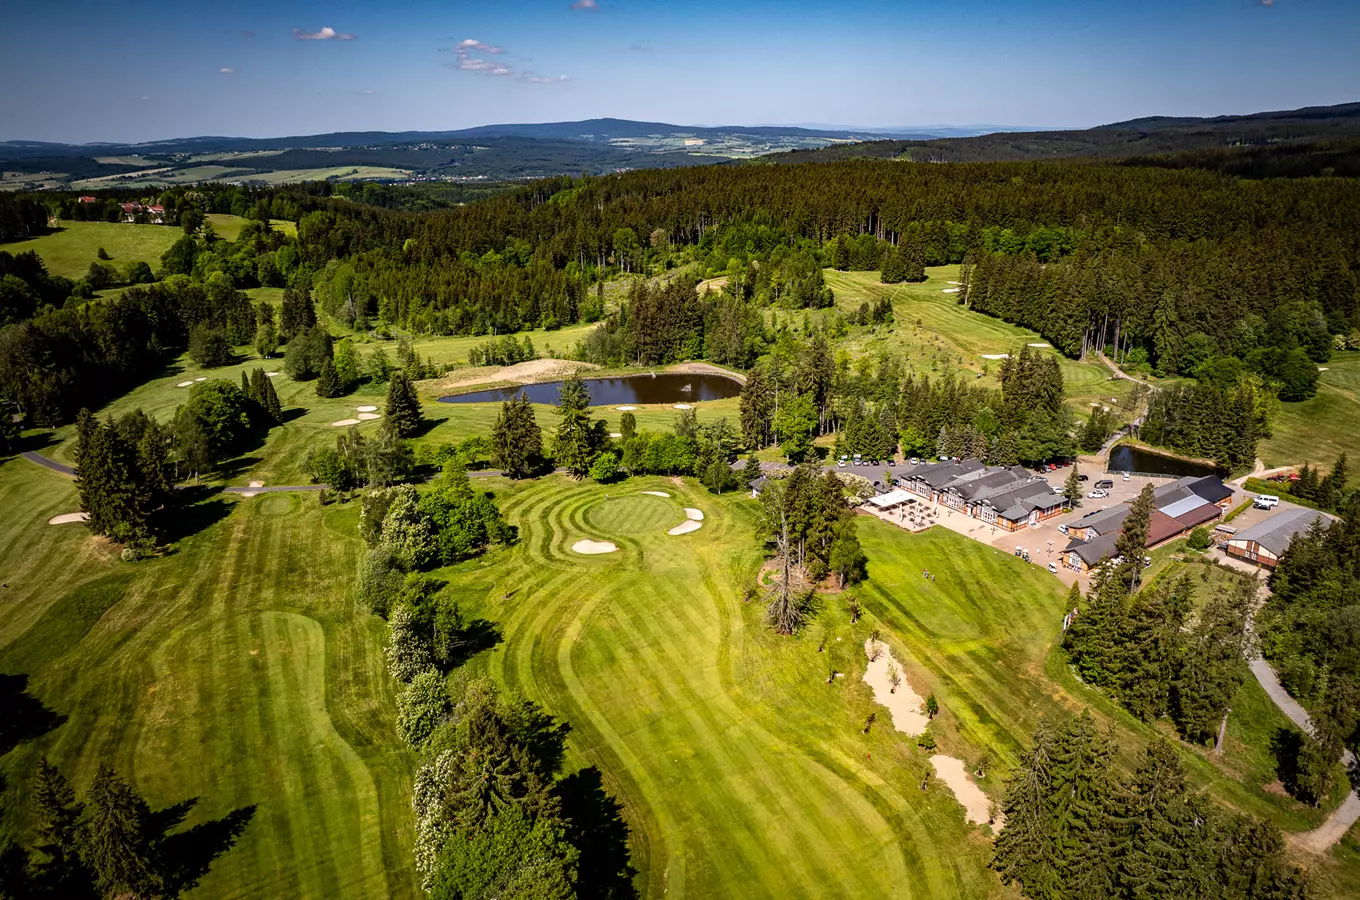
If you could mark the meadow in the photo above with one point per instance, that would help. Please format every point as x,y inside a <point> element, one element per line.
<point>69,250</point>
<point>1317,430</point>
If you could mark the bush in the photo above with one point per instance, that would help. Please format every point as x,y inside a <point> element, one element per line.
<point>380,581</point>
<point>604,468</point>
<point>423,707</point>
<point>1199,539</point>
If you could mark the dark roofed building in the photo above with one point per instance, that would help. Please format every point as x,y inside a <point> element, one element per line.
<point>1086,555</point>
<point>1265,542</point>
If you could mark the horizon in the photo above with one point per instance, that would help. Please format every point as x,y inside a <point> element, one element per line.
<point>265,71</point>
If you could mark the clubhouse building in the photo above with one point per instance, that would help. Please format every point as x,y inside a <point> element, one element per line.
<point>1265,542</point>
<point>1006,496</point>
<point>1181,506</point>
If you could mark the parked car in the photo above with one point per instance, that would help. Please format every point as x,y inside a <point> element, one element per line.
<point>1097,495</point>
<point>1126,476</point>
<point>1062,529</point>
<point>1104,484</point>
<point>1083,477</point>
<point>892,464</point>
<point>915,460</point>
<point>1266,501</point>
<point>1053,567</point>
<point>840,463</point>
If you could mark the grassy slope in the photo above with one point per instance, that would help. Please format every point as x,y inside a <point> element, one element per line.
<point>236,670</point>
<point>228,227</point>
<point>70,250</point>
<point>1317,430</point>
<point>938,335</point>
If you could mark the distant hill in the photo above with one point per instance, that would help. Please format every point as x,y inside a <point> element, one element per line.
<point>510,152</point>
<point>1134,138</point>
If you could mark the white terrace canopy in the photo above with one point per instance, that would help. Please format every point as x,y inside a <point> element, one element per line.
<point>892,499</point>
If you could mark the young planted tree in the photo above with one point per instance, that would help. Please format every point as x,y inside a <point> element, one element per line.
<point>403,405</point>
<point>894,677</point>
<point>932,707</point>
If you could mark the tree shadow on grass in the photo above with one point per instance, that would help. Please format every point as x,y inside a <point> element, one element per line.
<point>478,635</point>
<point>296,412</point>
<point>199,507</point>
<point>189,854</point>
<point>24,716</point>
<point>234,468</point>
<point>597,829</point>
<point>1285,745</point>
<point>427,425</point>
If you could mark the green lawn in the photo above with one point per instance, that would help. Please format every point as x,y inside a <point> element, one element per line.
<point>236,670</point>
<point>228,227</point>
<point>1317,430</point>
<point>70,250</point>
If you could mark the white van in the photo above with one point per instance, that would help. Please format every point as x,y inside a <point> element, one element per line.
<point>1266,501</point>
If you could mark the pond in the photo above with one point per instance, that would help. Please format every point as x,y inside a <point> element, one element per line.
<point>668,388</point>
<point>1127,458</point>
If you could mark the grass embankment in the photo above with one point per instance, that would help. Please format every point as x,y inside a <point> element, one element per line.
<point>70,249</point>
<point>236,670</point>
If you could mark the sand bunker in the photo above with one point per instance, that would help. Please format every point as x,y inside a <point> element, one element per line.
<point>683,406</point>
<point>271,374</point>
<point>906,706</point>
<point>695,514</point>
<point>686,527</point>
<point>368,417</point>
<point>367,408</point>
<point>185,384</point>
<point>974,802</point>
<point>590,548</point>
<point>1323,369</point>
<point>68,518</point>
<point>344,423</point>
<point>656,493</point>
<point>520,373</point>
<point>616,434</point>
<point>253,484</point>
<point>996,356</point>
<point>1041,345</point>
<point>953,282</point>
<point>950,291</point>
<point>201,378</point>
<point>625,408</point>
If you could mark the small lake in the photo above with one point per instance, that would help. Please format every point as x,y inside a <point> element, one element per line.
<point>1127,458</point>
<point>668,388</point>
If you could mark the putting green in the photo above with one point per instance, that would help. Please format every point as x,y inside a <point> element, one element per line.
<point>634,514</point>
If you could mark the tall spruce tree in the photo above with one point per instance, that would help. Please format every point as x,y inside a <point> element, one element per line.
<point>516,440</point>
<point>116,839</point>
<point>403,405</point>
<point>1023,853</point>
<point>1133,536</point>
<point>1212,666</point>
<point>573,444</point>
<point>328,381</point>
<point>56,823</point>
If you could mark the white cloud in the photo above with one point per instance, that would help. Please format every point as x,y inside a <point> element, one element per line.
<point>327,33</point>
<point>467,61</point>
<point>227,70</point>
<point>468,45</point>
<point>590,5</point>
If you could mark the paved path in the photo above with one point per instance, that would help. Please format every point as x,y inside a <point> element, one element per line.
<point>48,463</point>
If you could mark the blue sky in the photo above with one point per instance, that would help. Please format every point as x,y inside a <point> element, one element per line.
<point>134,70</point>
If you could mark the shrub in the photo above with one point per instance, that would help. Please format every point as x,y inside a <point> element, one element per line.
<point>209,347</point>
<point>1199,539</point>
<point>423,707</point>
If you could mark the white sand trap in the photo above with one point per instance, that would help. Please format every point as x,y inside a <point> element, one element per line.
<point>996,356</point>
<point>975,803</point>
<point>368,417</point>
<point>367,408</point>
<point>683,406</point>
<point>625,408</point>
<point>695,514</point>
<point>271,374</point>
<point>656,493</point>
<point>185,384</point>
<point>686,527</point>
<point>344,423</point>
<point>1041,345</point>
<point>953,282</point>
<point>950,291</point>
<point>616,434</point>
<point>68,518</point>
<point>1323,369</point>
<point>591,548</point>
<point>253,484</point>
<point>201,378</point>
<point>906,706</point>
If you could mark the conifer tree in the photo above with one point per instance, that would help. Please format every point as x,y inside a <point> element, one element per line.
<point>516,440</point>
<point>298,313</point>
<point>573,445</point>
<point>1212,668</point>
<point>1023,852</point>
<point>116,838</point>
<point>1072,487</point>
<point>270,400</point>
<point>56,820</point>
<point>403,405</point>
<point>1148,648</point>
<point>1134,534</point>
<point>328,381</point>
<point>1316,763</point>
